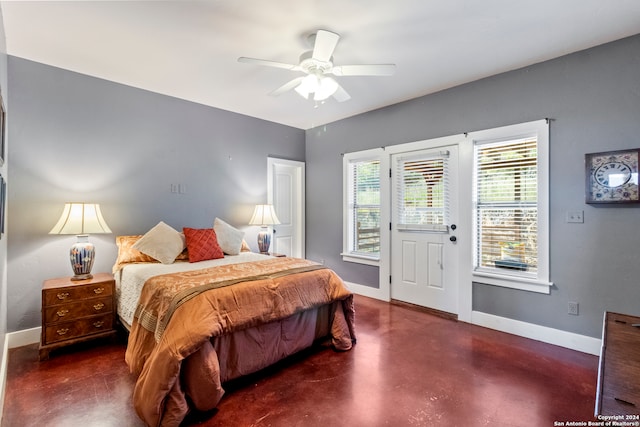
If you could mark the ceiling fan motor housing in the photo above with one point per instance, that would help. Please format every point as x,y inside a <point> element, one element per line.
<point>310,65</point>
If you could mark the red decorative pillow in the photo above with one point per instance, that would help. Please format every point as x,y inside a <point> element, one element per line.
<point>202,244</point>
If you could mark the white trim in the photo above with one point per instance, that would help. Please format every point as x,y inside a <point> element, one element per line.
<point>347,158</point>
<point>3,373</point>
<point>539,129</point>
<point>13,340</point>
<point>545,334</point>
<point>361,259</point>
<point>368,291</point>
<point>24,337</point>
<point>300,228</point>
<point>514,282</point>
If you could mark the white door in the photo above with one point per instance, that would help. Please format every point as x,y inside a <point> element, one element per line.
<point>424,216</point>
<point>285,191</point>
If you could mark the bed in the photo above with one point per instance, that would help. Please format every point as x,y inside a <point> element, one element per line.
<point>195,325</point>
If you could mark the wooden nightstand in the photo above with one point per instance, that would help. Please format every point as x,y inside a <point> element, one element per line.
<point>76,311</point>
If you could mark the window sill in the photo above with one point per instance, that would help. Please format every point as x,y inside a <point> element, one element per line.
<point>361,259</point>
<point>513,282</point>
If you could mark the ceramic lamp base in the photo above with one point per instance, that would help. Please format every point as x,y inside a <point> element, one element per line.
<point>82,254</point>
<point>264,240</point>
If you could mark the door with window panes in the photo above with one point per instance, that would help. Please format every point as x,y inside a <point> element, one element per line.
<point>424,216</point>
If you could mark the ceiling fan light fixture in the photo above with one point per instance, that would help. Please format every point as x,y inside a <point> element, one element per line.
<point>308,86</point>
<point>326,88</point>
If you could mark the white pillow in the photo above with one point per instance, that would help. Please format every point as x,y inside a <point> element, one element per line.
<point>229,238</point>
<point>162,242</point>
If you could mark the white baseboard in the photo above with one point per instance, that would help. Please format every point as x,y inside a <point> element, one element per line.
<point>367,291</point>
<point>553,336</point>
<point>3,373</point>
<point>13,340</point>
<point>24,337</point>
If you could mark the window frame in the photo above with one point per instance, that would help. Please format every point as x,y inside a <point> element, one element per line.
<point>376,154</point>
<point>538,282</point>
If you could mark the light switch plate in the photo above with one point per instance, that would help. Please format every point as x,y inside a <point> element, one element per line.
<point>575,216</point>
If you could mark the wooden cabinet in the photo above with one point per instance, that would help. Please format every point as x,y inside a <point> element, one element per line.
<point>76,311</point>
<point>619,371</point>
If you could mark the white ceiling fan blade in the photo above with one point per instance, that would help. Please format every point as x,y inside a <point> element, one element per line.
<point>324,45</point>
<point>269,63</point>
<point>364,70</point>
<point>287,86</point>
<point>341,95</point>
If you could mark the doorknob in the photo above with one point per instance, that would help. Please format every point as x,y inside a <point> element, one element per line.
<point>453,238</point>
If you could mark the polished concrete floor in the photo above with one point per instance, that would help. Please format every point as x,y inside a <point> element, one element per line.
<point>408,368</point>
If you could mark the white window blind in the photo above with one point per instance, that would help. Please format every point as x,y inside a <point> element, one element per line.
<point>421,190</point>
<point>364,207</point>
<point>506,206</point>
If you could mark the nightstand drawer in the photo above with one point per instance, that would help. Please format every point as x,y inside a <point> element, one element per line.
<point>74,310</point>
<point>76,293</point>
<point>68,330</point>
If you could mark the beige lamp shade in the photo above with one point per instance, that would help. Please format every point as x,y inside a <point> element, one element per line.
<point>81,218</point>
<point>264,215</point>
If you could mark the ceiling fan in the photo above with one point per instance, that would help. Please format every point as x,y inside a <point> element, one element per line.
<point>318,65</point>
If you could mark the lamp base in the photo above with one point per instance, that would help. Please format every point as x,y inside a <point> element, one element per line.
<point>82,254</point>
<point>264,240</point>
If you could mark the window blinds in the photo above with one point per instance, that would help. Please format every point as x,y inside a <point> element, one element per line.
<point>505,195</point>
<point>364,206</point>
<point>422,199</point>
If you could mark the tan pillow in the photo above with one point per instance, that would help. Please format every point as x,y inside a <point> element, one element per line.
<point>162,242</point>
<point>126,253</point>
<point>229,238</point>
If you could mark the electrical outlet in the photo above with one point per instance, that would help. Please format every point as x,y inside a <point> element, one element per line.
<point>572,308</point>
<point>575,216</point>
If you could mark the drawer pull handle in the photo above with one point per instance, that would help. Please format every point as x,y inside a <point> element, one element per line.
<point>62,313</point>
<point>636,325</point>
<point>98,291</point>
<point>63,295</point>
<point>62,331</point>
<point>98,324</point>
<point>624,401</point>
<point>99,306</point>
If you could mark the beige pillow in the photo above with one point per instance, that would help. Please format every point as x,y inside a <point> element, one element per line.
<point>162,242</point>
<point>229,238</point>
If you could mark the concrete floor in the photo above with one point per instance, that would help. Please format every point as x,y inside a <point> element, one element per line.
<point>408,368</point>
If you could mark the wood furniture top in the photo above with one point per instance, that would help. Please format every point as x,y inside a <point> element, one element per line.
<point>618,390</point>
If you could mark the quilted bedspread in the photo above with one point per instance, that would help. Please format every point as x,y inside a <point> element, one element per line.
<point>180,314</point>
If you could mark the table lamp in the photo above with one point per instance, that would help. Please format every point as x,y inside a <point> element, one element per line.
<point>264,216</point>
<point>81,219</point>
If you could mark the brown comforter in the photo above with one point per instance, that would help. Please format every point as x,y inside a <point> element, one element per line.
<point>180,315</point>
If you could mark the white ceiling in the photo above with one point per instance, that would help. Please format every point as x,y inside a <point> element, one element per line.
<point>189,49</point>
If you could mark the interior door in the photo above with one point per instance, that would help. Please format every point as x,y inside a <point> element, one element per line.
<point>286,193</point>
<point>424,216</point>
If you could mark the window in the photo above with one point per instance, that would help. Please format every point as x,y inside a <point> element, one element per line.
<point>362,201</point>
<point>422,201</point>
<point>510,206</point>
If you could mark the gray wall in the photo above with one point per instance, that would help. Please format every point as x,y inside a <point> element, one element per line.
<point>78,138</point>
<point>593,97</point>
